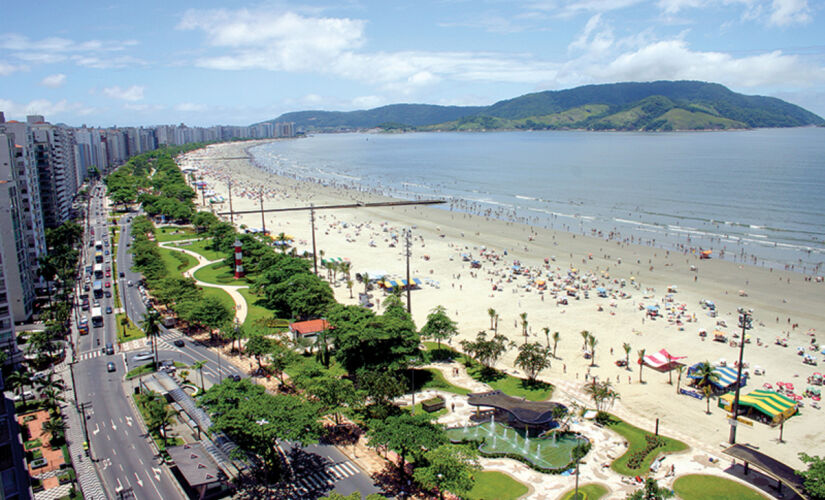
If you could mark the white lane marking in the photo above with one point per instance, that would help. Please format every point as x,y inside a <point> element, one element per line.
<point>114,427</point>
<point>119,486</point>
<point>156,472</point>
<point>157,477</point>
<point>97,429</point>
<point>139,482</point>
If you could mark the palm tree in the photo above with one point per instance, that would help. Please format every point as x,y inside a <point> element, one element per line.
<point>18,381</point>
<point>641,353</point>
<point>592,342</point>
<point>585,335</point>
<point>349,286</point>
<point>366,278</point>
<point>578,453</point>
<point>627,349</point>
<point>556,337</point>
<point>281,239</point>
<point>523,317</point>
<point>546,330</point>
<point>52,400</point>
<point>495,328</point>
<point>150,326</point>
<point>679,369</point>
<point>198,365</point>
<point>707,390</point>
<point>492,313</point>
<point>48,271</point>
<point>55,428</point>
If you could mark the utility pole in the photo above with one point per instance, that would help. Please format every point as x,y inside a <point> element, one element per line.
<point>745,321</point>
<point>231,213</point>
<point>312,222</point>
<point>83,407</point>
<point>263,221</point>
<point>408,252</point>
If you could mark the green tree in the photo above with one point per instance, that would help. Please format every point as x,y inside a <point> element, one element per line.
<point>592,342</point>
<point>813,479</point>
<point>533,358</point>
<point>523,317</point>
<point>279,358</point>
<point>650,491</point>
<point>157,412</point>
<point>55,427</point>
<point>492,313</point>
<point>579,451</point>
<point>18,381</point>
<point>602,394</point>
<point>680,369</point>
<point>705,373</point>
<point>556,338</point>
<point>150,326</point>
<point>449,468</point>
<point>198,365</point>
<point>627,348</point>
<point>212,313</point>
<point>381,386</point>
<point>585,335</point>
<point>641,353</point>
<point>333,393</point>
<point>486,351</point>
<point>259,346</point>
<point>439,326</point>
<point>408,435</point>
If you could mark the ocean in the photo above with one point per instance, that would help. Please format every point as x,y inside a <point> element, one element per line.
<point>755,196</point>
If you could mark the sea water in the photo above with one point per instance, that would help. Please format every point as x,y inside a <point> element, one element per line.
<point>754,194</point>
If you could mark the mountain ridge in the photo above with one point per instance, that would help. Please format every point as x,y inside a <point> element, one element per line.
<point>647,106</point>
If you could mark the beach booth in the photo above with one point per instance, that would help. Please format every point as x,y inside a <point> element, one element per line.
<point>768,407</point>
<point>662,361</point>
<point>725,377</point>
<point>602,292</point>
<point>652,311</point>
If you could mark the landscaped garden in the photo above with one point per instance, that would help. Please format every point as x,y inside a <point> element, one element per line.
<point>643,447</point>
<point>706,487</point>
<point>219,274</point>
<point>174,233</point>
<point>202,247</point>
<point>493,485</point>
<point>126,330</point>
<point>586,492</point>
<point>176,262</point>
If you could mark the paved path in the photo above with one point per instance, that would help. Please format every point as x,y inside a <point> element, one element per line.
<point>241,309</point>
<point>607,445</point>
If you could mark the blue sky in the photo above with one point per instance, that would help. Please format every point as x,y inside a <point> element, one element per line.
<point>232,62</point>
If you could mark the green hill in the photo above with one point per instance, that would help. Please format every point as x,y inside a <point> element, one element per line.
<point>653,106</point>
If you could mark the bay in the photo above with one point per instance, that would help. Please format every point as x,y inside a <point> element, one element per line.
<point>754,196</point>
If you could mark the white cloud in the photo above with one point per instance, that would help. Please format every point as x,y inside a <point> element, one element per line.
<point>143,107</point>
<point>189,107</point>
<point>90,53</point>
<point>53,81</point>
<point>787,12</point>
<point>44,107</point>
<point>368,102</point>
<point>674,6</point>
<point>7,69</point>
<point>133,93</point>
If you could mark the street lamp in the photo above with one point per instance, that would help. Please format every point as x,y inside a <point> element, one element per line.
<point>746,322</point>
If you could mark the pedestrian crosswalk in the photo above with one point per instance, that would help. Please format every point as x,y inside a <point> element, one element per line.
<point>325,478</point>
<point>89,355</point>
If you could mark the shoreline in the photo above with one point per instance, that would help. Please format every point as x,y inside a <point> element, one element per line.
<point>731,240</point>
<point>781,299</point>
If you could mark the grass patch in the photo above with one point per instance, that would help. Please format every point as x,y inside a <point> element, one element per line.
<point>258,317</point>
<point>435,353</point>
<point>637,443</point>
<point>202,247</point>
<point>493,485</point>
<point>170,441</point>
<point>126,330</point>
<point>586,492</point>
<point>431,378</point>
<point>220,274</point>
<point>224,297</point>
<point>140,370</point>
<point>508,384</point>
<point>419,410</point>
<point>34,443</point>
<point>176,262</point>
<point>174,233</point>
<point>706,487</point>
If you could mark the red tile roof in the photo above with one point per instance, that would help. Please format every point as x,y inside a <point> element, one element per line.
<point>311,326</point>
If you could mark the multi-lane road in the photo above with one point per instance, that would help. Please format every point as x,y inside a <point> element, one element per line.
<point>124,455</point>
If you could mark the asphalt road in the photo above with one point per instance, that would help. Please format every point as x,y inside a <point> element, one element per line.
<point>126,457</point>
<point>123,454</point>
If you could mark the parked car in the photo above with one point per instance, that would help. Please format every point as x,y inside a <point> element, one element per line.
<point>121,274</point>
<point>107,284</point>
<point>108,294</point>
<point>108,309</point>
<point>235,377</point>
<point>110,367</point>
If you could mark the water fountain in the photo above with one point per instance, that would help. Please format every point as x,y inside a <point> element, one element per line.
<point>526,448</point>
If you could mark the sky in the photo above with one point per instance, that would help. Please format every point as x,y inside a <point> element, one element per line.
<point>231,62</point>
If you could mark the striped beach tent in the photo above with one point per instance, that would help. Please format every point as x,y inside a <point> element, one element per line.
<point>770,403</point>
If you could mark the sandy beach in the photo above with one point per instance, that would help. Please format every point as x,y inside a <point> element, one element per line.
<point>785,304</point>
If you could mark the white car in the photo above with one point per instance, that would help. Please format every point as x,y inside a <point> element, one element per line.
<point>143,356</point>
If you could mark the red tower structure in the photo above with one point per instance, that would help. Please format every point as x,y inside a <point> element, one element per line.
<point>238,259</point>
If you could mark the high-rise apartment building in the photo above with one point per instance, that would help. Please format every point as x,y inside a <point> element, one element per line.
<point>14,476</point>
<point>58,175</point>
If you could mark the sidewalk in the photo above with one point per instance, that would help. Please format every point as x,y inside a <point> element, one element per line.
<point>87,476</point>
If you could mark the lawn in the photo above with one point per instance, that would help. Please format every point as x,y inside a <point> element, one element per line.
<point>174,233</point>
<point>636,439</point>
<point>127,332</point>
<point>219,274</point>
<point>257,314</point>
<point>508,384</point>
<point>221,295</point>
<point>171,441</point>
<point>705,487</point>
<point>431,378</point>
<point>202,247</point>
<point>493,485</point>
<point>590,491</point>
<point>140,370</point>
<point>176,262</point>
<point>420,411</point>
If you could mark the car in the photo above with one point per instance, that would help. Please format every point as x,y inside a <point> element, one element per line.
<point>108,294</point>
<point>27,395</point>
<point>106,252</point>
<point>108,309</point>
<point>86,287</point>
<point>143,356</point>
<point>235,377</point>
<point>108,274</point>
<point>110,349</point>
<point>91,244</point>
<point>93,232</point>
<point>179,343</point>
<point>129,283</point>
<point>107,284</point>
<point>85,306</point>
<point>121,274</point>
<point>110,367</point>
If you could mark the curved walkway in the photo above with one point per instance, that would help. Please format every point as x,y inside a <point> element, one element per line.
<point>241,309</point>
